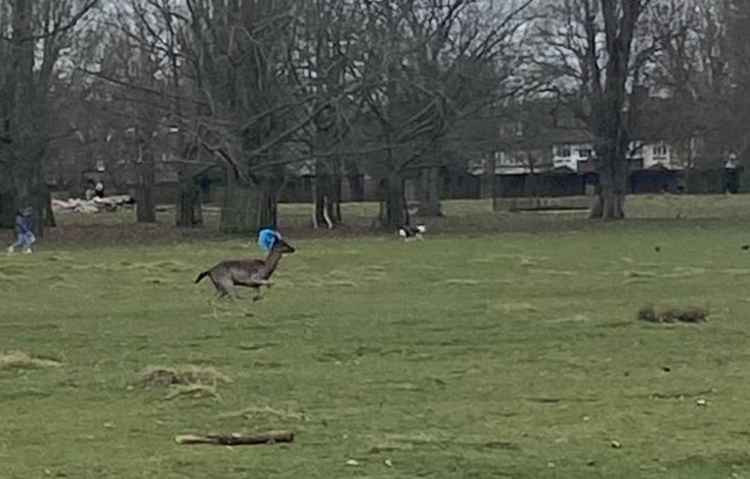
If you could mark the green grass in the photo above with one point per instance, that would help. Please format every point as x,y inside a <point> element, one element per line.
<point>500,354</point>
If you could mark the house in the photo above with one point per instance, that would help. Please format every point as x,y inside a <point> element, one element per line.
<point>641,155</point>
<point>567,168</point>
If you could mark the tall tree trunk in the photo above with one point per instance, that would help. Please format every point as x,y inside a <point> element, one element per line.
<point>29,191</point>
<point>488,178</point>
<point>248,207</point>
<point>610,120</point>
<point>356,187</point>
<point>497,192</point>
<point>327,194</point>
<point>394,206</point>
<point>47,212</point>
<point>429,201</point>
<point>609,198</point>
<point>189,212</point>
<point>7,207</point>
<point>144,193</point>
<point>25,124</point>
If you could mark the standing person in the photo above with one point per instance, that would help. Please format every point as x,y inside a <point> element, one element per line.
<point>24,231</point>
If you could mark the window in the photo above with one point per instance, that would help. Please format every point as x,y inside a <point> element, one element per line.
<point>660,150</point>
<point>563,151</point>
<point>584,152</point>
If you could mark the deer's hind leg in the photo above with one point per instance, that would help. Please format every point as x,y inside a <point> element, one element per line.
<point>223,285</point>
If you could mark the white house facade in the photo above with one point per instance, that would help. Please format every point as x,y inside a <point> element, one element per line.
<point>645,155</point>
<point>571,156</point>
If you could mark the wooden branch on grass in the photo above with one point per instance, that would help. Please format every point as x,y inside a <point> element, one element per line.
<point>236,439</point>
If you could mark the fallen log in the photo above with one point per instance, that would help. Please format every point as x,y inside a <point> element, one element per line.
<point>236,439</point>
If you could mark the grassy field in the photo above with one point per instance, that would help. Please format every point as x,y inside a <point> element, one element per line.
<point>510,349</point>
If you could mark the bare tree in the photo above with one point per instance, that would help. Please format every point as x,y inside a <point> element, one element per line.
<point>327,37</point>
<point>597,50</point>
<point>428,66</point>
<point>237,53</point>
<point>172,40</point>
<point>33,37</point>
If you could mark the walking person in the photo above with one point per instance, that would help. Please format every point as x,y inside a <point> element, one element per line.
<point>24,231</point>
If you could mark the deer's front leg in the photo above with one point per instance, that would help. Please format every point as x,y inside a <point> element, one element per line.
<point>257,281</point>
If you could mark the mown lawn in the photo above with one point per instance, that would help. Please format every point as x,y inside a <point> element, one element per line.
<point>476,354</point>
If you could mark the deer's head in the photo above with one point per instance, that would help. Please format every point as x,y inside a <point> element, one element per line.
<point>271,240</point>
<point>282,246</point>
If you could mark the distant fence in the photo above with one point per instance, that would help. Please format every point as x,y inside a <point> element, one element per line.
<point>466,186</point>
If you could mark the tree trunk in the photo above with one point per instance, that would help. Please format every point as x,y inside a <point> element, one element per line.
<point>429,201</point>
<point>189,213</point>
<point>326,193</point>
<point>497,192</point>
<point>144,193</point>
<point>248,207</point>
<point>338,182</point>
<point>610,120</point>
<point>7,208</point>
<point>609,197</point>
<point>356,187</point>
<point>48,213</point>
<point>488,179</point>
<point>29,192</point>
<point>394,206</point>
<point>25,118</point>
<point>327,199</point>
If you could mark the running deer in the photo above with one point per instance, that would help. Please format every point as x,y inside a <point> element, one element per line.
<point>251,273</point>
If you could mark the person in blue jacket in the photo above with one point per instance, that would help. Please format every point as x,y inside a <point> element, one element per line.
<point>24,231</point>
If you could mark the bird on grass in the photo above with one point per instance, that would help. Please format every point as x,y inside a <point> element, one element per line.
<point>410,233</point>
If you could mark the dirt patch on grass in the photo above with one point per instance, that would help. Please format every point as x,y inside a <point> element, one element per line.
<point>11,273</point>
<point>255,412</point>
<point>21,360</point>
<point>554,272</point>
<point>571,319</point>
<point>155,376</point>
<point>408,442</point>
<point>640,274</point>
<point>513,307</point>
<point>684,272</point>
<point>736,271</point>
<point>461,282</point>
<point>156,266</point>
<point>373,273</point>
<point>57,278</point>
<point>191,381</point>
<point>194,391</point>
<point>341,283</point>
<point>673,314</point>
<point>4,277</point>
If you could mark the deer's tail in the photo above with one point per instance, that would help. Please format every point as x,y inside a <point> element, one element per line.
<point>201,276</point>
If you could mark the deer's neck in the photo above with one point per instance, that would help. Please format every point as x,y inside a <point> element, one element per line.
<point>272,260</point>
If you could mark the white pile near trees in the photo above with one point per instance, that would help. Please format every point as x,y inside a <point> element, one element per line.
<point>95,205</point>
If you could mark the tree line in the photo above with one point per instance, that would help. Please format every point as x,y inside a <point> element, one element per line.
<point>396,89</point>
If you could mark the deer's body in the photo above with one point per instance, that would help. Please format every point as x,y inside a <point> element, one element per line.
<point>250,273</point>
